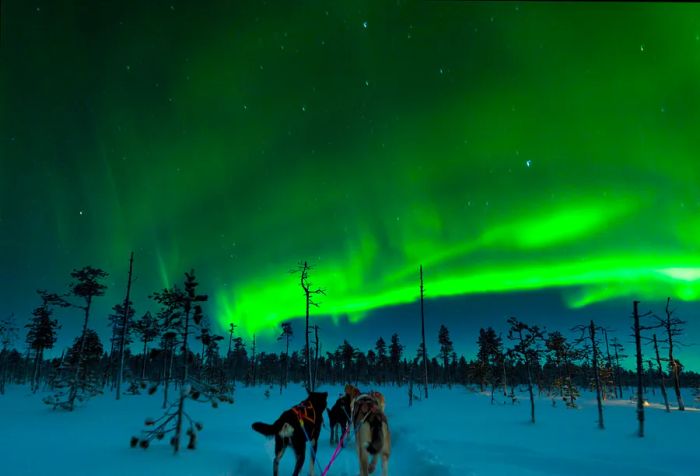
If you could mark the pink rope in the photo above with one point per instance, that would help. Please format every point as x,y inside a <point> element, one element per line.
<point>337,450</point>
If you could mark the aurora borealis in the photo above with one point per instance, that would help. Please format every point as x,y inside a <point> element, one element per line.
<point>508,147</point>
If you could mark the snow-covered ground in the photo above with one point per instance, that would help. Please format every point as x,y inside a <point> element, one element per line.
<point>455,432</point>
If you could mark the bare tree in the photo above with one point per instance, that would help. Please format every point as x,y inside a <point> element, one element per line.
<point>124,327</point>
<point>422,331</point>
<point>588,332</point>
<point>309,293</point>
<point>672,326</point>
<point>617,347</point>
<point>637,329</point>
<point>660,370</point>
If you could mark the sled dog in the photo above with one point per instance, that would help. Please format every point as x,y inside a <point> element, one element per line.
<point>292,429</point>
<point>371,432</point>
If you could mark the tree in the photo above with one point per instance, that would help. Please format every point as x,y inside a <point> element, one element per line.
<point>8,333</point>
<point>662,379</point>
<point>87,285</point>
<point>672,326</point>
<point>637,329</point>
<point>589,332</point>
<point>446,348</point>
<point>527,339</point>
<point>422,331</point>
<point>185,305</point>
<point>395,353</point>
<point>42,330</point>
<point>618,348</point>
<point>147,327</point>
<point>382,360</point>
<point>128,314</point>
<point>309,293</point>
<point>287,334</point>
<point>562,353</point>
<point>489,357</point>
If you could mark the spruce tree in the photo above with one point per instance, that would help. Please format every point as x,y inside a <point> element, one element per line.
<point>446,348</point>
<point>42,330</point>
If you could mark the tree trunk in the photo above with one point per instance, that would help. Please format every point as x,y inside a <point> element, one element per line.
<point>610,365</point>
<point>308,349</point>
<point>640,371</point>
<point>601,425</point>
<point>143,365</point>
<point>529,389</point>
<point>125,328</point>
<point>617,371</point>
<point>35,378</point>
<point>76,378</point>
<point>662,379</point>
<point>422,325</point>
<point>672,360</point>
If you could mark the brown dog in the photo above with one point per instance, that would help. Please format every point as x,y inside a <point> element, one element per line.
<point>371,432</point>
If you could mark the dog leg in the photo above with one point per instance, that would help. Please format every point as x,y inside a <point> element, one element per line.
<point>372,464</point>
<point>300,453</point>
<point>314,446</point>
<point>279,451</point>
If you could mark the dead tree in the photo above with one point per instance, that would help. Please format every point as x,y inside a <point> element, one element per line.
<point>124,327</point>
<point>610,364</point>
<point>317,345</point>
<point>617,347</point>
<point>662,378</point>
<point>672,326</point>
<point>637,328</point>
<point>253,364</point>
<point>589,332</point>
<point>309,292</point>
<point>422,330</point>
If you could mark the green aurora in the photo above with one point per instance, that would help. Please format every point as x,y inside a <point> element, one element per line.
<point>505,147</point>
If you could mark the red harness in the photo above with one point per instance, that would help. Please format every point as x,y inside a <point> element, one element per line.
<point>305,411</point>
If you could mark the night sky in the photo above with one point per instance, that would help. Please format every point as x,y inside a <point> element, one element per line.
<point>539,160</point>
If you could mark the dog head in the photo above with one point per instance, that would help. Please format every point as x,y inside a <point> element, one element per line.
<point>319,400</point>
<point>379,398</point>
<point>351,391</point>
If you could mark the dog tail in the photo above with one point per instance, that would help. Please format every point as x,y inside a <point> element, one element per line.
<point>267,430</point>
<point>377,442</point>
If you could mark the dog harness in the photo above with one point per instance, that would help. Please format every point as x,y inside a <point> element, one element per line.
<point>305,411</point>
<point>365,405</point>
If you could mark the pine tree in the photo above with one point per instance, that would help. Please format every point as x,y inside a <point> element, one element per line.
<point>185,306</point>
<point>8,333</point>
<point>382,360</point>
<point>395,353</point>
<point>87,285</point>
<point>562,354</point>
<point>527,339</point>
<point>446,348</point>
<point>147,327</point>
<point>287,334</point>
<point>42,330</point>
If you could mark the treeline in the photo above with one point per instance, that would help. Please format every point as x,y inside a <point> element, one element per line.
<point>175,347</point>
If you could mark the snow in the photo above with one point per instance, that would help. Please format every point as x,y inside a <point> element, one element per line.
<point>454,432</point>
